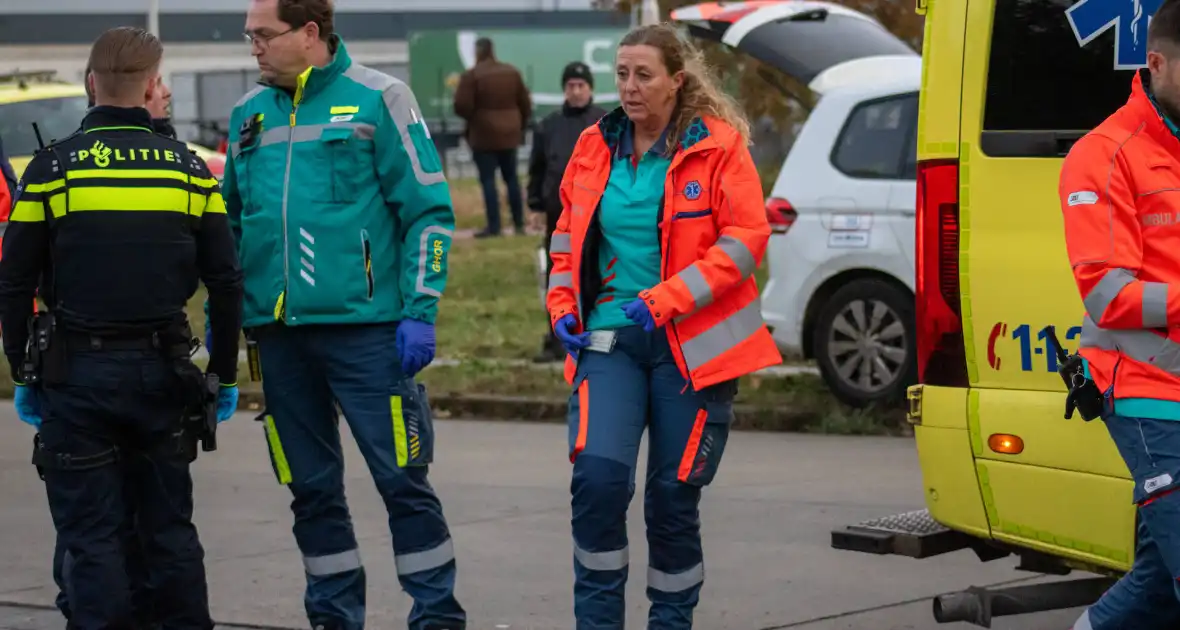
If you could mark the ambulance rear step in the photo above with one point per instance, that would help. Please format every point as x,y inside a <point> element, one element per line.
<point>913,534</point>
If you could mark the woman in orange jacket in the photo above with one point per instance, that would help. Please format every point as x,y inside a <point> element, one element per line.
<point>652,293</point>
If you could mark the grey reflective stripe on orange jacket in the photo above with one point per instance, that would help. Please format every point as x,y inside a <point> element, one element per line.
<point>698,286</point>
<point>1143,346</point>
<point>723,336</point>
<point>1155,297</point>
<point>559,244</point>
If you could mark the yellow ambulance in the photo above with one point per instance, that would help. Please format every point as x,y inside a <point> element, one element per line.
<point>1008,86</point>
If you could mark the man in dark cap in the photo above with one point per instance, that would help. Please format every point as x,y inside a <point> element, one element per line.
<point>553,143</point>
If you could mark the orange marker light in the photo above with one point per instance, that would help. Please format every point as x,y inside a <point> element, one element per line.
<point>1006,443</point>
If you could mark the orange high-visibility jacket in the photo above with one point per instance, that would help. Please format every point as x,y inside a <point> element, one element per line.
<point>713,234</point>
<point>1120,197</point>
<point>5,204</point>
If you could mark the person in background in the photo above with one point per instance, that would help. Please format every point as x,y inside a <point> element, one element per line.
<point>553,142</point>
<point>497,106</point>
<point>654,298</point>
<point>159,106</point>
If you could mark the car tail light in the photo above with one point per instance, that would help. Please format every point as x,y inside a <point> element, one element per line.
<point>780,214</point>
<point>941,356</point>
<point>216,165</point>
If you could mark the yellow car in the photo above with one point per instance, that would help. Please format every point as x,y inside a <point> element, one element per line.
<point>1008,86</point>
<point>57,107</point>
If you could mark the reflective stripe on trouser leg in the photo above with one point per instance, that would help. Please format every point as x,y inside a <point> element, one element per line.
<point>689,432</point>
<point>333,563</point>
<point>676,582</point>
<point>676,569</point>
<point>616,560</point>
<point>419,561</point>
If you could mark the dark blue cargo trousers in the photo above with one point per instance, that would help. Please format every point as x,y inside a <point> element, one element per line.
<point>117,416</point>
<point>306,371</point>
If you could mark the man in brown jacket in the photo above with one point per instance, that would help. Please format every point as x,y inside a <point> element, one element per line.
<point>494,101</point>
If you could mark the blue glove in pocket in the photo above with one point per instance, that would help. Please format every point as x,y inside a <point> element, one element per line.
<point>227,403</point>
<point>413,425</point>
<point>28,406</point>
<point>573,342</point>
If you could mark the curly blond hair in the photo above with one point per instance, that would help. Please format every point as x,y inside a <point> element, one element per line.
<point>700,95</point>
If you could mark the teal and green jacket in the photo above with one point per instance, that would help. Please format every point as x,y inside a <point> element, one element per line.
<point>337,199</point>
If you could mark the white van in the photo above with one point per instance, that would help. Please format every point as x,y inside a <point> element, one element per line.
<point>841,259</point>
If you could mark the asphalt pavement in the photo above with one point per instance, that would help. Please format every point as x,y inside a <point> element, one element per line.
<point>766,521</point>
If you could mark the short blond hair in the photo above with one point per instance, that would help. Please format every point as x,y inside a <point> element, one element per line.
<point>123,60</point>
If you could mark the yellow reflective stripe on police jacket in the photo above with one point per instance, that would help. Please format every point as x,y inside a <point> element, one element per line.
<point>127,190</point>
<point>30,206</point>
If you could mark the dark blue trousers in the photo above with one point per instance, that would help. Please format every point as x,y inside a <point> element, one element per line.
<point>487,163</point>
<point>617,395</point>
<point>141,595</point>
<point>122,402</point>
<point>306,370</point>
<point>1147,597</point>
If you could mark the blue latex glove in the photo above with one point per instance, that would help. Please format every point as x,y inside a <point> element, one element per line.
<point>28,406</point>
<point>572,341</point>
<point>415,345</point>
<point>638,312</point>
<point>208,338</point>
<point>227,402</point>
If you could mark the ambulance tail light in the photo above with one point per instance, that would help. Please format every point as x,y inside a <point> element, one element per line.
<point>780,214</point>
<point>941,355</point>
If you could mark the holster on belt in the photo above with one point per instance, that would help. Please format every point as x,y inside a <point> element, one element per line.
<point>198,391</point>
<point>46,355</point>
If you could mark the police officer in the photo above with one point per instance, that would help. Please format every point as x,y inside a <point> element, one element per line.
<point>141,596</point>
<point>117,224</point>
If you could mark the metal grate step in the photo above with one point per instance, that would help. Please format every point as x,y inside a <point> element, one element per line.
<point>913,534</point>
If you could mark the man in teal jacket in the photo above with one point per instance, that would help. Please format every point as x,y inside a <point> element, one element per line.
<point>344,223</point>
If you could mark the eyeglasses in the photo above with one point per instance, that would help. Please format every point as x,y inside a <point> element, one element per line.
<point>264,40</point>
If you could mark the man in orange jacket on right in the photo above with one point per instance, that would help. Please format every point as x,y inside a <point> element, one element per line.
<point>1120,198</point>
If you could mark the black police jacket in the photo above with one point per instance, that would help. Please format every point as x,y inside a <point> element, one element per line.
<point>118,224</point>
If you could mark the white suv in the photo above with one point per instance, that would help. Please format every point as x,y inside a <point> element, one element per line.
<point>841,259</point>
